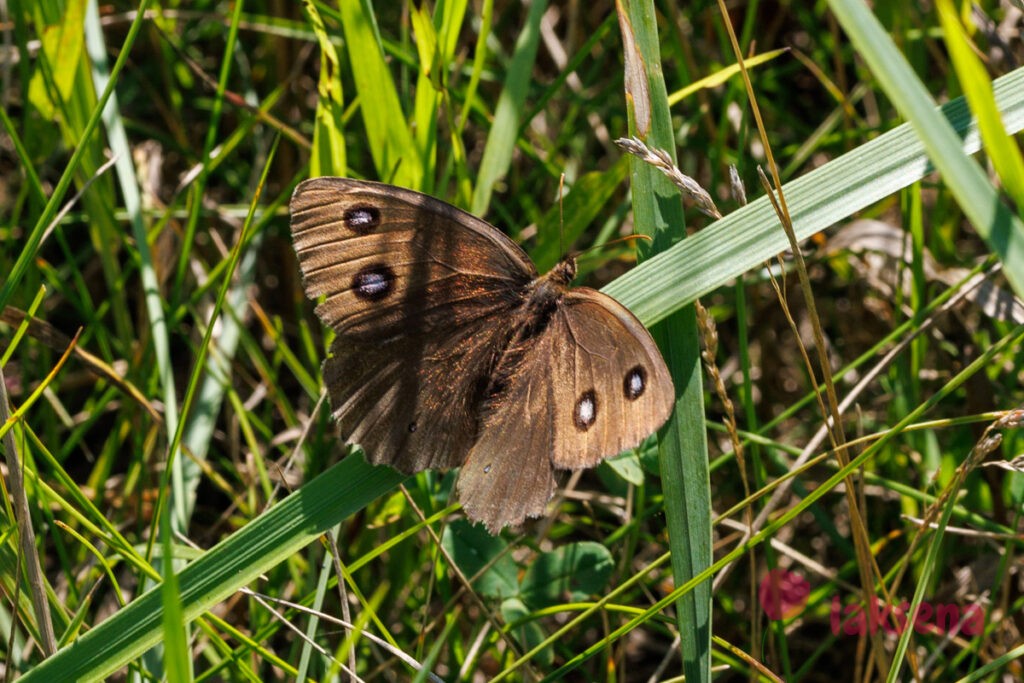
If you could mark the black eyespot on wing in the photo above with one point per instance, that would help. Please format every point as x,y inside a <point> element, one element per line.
<point>412,427</point>
<point>362,220</point>
<point>374,283</point>
<point>634,384</point>
<point>585,413</point>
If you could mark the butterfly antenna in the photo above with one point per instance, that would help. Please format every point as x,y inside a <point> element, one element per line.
<point>561,218</point>
<point>617,240</point>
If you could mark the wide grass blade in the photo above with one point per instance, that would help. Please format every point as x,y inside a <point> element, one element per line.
<point>1001,229</point>
<point>747,237</point>
<point>682,443</point>
<point>236,561</point>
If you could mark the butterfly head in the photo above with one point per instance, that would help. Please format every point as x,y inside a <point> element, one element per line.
<point>564,273</point>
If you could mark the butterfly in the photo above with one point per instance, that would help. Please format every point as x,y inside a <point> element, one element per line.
<point>452,351</point>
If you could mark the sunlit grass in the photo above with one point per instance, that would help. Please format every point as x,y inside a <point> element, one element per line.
<point>196,348</point>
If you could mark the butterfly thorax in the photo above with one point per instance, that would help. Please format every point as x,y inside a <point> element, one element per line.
<point>530,319</point>
<point>544,295</point>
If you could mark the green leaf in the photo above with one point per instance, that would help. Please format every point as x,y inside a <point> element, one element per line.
<point>627,466</point>
<point>574,571</point>
<point>472,549</point>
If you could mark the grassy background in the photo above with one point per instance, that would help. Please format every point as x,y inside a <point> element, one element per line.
<point>187,405</point>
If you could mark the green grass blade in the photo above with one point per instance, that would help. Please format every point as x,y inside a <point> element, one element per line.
<point>722,76</point>
<point>197,188</point>
<point>173,631</point>
<point>24,158</point>
<point>174,656</point>
<point>392,145</point>
<point>429,84</point>
<point>747,237</point>
<point>501,140</point>
<point>66,93</point>
<point>1000,148</point>
<point>328,157</point>
<point>682,443</point>
<point>236,561</point>
<point>1001,229</point>
<point>200,429</point>
<point>28,253</point>
<point>125,171</point>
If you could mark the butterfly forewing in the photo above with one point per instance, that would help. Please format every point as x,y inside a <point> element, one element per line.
<point>391,262</point>
<point>419,294</point>
<point>411,403</point>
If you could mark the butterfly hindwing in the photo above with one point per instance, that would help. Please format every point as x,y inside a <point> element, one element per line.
<point>591,385</point>
<point>612,386</point>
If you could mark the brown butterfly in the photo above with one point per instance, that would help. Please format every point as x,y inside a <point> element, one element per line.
<point>452,351</point>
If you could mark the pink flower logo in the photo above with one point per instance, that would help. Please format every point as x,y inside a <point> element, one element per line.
<point>783,594</point>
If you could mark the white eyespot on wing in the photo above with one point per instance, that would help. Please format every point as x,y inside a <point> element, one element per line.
<point>362,220</point>
<point>374,283</point>
<point>585,413</point>
<point>634,383</point>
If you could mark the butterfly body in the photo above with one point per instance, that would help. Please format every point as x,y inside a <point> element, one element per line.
<point>540,301</point>
<point>451,350</point>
